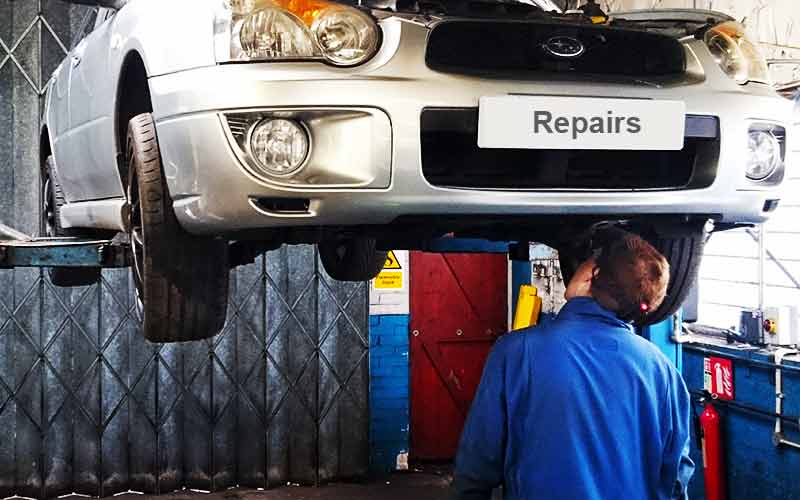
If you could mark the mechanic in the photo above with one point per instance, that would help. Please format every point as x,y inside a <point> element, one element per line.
<point>591,9</point>
<point>582,407</point>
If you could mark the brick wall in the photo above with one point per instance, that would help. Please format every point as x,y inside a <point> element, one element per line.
<point>389,395</point>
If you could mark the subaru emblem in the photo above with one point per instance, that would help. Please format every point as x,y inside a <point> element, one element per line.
<point>565,47</point>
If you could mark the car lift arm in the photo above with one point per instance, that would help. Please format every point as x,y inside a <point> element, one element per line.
<point>20,250</point>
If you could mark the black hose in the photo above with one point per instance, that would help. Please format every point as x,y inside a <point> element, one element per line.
<point>702,397</point>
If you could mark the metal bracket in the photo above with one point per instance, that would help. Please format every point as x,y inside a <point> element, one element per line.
<point>20,250</point>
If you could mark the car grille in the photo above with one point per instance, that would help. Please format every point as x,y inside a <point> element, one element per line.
<point>451,158</point>
<point>239,125</point>
<point>515,47</point>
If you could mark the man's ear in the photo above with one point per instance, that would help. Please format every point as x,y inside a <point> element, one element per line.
<point>590,277</point>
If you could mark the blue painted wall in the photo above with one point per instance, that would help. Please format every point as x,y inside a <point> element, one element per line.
<point>389,396</point>
<point>661,335</point>
<point>756,468</point>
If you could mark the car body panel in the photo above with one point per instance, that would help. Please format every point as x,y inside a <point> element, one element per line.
<point>84,138</point>
<point>86,170</point>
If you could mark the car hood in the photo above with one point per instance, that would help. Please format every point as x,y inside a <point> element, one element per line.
<point>695,16</point>
<point>677,23</point>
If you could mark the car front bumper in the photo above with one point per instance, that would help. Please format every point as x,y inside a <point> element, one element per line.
<point>214,193</point>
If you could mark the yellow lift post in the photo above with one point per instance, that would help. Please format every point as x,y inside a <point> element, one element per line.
<point>529,306</point>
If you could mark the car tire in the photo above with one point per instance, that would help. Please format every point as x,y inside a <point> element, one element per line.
<point>352,259</point>
<point>684,252</point>
<point>181,280</point>
<point>52,201</point>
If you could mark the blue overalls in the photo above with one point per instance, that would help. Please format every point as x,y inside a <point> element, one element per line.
<point>577,408</point>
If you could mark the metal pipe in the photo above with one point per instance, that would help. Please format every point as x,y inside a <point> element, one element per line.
<point>778,437</point>
<point>703,396</point>
<point>745,361</point>
<point>788,443</point>
<point>762,264</point>
<point>778,262</point>
<point>13,233</point>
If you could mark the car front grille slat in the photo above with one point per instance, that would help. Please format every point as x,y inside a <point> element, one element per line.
<point>518,49</point>
<point>238,127</point>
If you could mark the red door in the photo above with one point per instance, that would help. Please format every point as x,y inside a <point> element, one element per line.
<point>458,308</point>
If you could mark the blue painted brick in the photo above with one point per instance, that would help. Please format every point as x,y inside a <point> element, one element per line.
<point>399,392</point>
<point>381,350</point>
<point>384,415</point>
<point>398,440</point>
<point>396,403</point>
<point>389,390</point>
<point>389,448</point>
<point>388,419</point>
<point>392,340</point>
<point>384,436</point>
<point>388,369</point>
<point>396,361</point>
<point>389,412</point>
<point>387,385</point>
<point>401,331</point>
<point>388,381</point>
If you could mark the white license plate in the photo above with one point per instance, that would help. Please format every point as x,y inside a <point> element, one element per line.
<point>544,122</point>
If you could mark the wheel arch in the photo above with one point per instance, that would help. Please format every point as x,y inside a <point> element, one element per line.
<point>45,146</point>
<point>133,98</point>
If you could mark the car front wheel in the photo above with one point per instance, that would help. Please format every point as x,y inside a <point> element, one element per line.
<point>351,259</point>
<point>681,246</point>
<point>181,280</point>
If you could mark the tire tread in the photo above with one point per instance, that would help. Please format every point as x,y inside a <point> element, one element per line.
<point>185,287</point>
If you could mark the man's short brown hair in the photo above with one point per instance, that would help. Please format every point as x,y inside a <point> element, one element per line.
<point>630,276</point>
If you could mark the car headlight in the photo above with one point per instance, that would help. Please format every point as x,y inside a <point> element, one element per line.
<point>281,30</point>
<point>736,54</point>
<point>766,151</point>
<point>280,146</point>
<point>345,35</point>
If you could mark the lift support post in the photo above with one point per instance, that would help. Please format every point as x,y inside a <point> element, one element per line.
<point>20,250</point>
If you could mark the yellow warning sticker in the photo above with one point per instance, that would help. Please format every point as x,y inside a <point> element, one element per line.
<point>389,280</point>
<point>391,261</point>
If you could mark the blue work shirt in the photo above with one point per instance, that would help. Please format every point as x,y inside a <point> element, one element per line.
<point>578,408</point>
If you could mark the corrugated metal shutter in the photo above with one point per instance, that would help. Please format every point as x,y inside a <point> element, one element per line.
<point>87,406</point>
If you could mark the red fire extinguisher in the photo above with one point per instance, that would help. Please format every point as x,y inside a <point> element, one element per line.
<point>713,465</point>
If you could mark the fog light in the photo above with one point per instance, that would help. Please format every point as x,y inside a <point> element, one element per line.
<point>279,146</point>
<point>764,154</point>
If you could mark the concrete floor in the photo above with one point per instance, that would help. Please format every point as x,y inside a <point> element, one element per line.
<point>428,484</point>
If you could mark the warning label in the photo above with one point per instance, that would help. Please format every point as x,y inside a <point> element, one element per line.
<point>388,292</point>
<point>391,278</point>
<point>391,261</point>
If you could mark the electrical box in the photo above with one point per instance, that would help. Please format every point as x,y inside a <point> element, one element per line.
<point>781,326</point>
<point>751,326</point>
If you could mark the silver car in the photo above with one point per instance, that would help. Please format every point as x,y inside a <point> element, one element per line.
<point>212,130</point>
